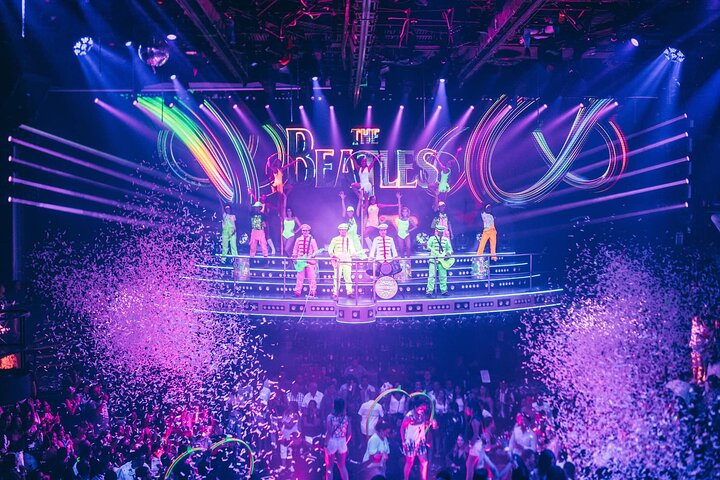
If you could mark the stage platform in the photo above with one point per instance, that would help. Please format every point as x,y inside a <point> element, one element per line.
<point>264,287</point>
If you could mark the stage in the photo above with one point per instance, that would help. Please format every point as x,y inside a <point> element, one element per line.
<point>264,287</point>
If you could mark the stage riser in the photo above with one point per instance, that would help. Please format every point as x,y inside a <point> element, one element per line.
<point>390,308</point>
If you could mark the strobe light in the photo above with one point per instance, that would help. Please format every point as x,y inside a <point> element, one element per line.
<point>674,55</point>
<point>83,46</point>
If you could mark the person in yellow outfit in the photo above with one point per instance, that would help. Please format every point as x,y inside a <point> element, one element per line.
<point>488,233</point>
<point>341,251</point>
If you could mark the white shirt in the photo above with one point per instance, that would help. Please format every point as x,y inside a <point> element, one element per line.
<point>308,396</point>
<point>396,406</point>
<point>377,445</point>
<point>383,249</point>
<point>374,415</point>
<point>488,220</point>
<point>520,441</point>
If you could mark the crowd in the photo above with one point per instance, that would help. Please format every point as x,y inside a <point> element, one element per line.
<point>451,430</point>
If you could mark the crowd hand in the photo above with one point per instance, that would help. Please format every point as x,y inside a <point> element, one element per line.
<point>342,194</point>
<point>398,195</point>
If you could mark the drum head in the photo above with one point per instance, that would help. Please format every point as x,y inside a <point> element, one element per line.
<point>386,268</point>
<point>386,287</point>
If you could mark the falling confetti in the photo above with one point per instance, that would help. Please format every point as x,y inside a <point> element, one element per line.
<point>606,356</point>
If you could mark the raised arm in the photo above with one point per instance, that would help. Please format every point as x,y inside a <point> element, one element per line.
<point>342,202</point>
<point>399,204</point>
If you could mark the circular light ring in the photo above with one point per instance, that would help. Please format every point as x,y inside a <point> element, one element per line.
<point>166,150</point>
<point>212,449</point>
<point>409,395</point>
<point>498,118</point>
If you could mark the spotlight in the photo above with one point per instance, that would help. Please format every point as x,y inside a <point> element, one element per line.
<point>369,107</point>
<point>171,37</point>
<point>402,107</point>
<point>439,107</point>
<point>472,107</point>
<point>635,42</point>
<point>235,106</point>
<point>128,43</point>
<point>97,100</point>
<point>314,79</point>
<point>135,102</point>
<point>202,105</point>
<point>173,76</point>
<point>83,46</point>
<point>332,107</point>
<point>442,80</point>
<point>171,104</point>
<point>582,105</point>
<point>674,55</point>
<point>301,107</point>
<point>267,107</point>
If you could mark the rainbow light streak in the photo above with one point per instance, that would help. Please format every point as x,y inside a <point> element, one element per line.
<point>606,198</point>
<point>243,150</point>
<point>488,132</point>
<point>84,213</point>
<point>165,147</point>
<point>91,166</point>
<point>120,161</point>
<point>227,440</point>
<point>409,395</point>
<point>104,186</point>
<point>616,164</point>
<point>640,213</point>
<point>179,458</point>
<point>204,148</point>
<point>83,196</point>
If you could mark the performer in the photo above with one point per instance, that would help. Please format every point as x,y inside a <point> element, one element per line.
<point>373,218</point>
<point>364,188</point>
<point>229,233</point>
<point>257,230</point>
<point>350,219</point>
<point>443,186</point>
<point>488,233</point>
<point>265,208</point>
<point>441,219</point>
<point>275,170</point>
<point>405,226</point>
<point>440,249</point>
<point>414,442</point>
<point>306,247</point>
<point>291,225</point>
<point>341,251</point>
<point>383,251</point>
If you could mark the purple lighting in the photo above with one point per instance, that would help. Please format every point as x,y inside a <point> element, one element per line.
<point>634,42</point>
<point>173,76</point>
<point>171,36</point>
<point>97,100</point>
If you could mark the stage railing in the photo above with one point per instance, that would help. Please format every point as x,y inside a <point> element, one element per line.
<point>480,266</point>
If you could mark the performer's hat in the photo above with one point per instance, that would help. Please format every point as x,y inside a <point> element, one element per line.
<point>441,204</point>
<point>350,208</point>
<point>440,228</point>
<point>257,204</point>
<point>386,386</point>
<point>343,226</point>
<point>383,226</point>
<point>305,226</point>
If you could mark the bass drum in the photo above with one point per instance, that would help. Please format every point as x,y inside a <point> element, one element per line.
<point>386,287</point>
